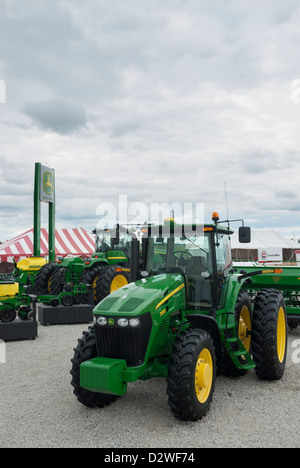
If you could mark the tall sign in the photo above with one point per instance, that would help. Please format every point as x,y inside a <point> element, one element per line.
<point>44,192</point>
<point>47,189</point>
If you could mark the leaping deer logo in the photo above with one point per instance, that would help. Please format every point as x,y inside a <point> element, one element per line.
<point>48,183</point>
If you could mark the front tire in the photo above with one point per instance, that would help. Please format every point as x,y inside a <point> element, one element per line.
<point>43,278</point>
<point>191,375</point>
<point>269,334</point>
<point>7,315</point>
<point>86,350</point>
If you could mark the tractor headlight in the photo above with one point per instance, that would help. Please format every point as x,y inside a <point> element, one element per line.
<point>119,321</point>
<point>134,322</point>
<point>102,320</point>
<point>123,322</point>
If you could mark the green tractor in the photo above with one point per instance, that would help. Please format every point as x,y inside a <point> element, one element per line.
<point>184,317</point>
<point>106,271</point>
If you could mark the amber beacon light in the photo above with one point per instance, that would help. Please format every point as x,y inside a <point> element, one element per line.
<point>215,216</point>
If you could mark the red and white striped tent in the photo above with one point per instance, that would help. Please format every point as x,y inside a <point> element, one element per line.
<point>75,241</point>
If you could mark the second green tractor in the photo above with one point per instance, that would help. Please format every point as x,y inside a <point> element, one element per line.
<point>105,271</point>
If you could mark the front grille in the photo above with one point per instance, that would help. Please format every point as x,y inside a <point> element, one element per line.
<point>129,343</point>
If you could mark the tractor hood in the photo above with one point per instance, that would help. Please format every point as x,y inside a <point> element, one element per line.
<point>153,293</point>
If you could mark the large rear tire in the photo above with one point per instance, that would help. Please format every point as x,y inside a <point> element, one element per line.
<point>269,334</point>
<point>43,278</point>
<point>243,317</point>
<point>86,350</point>
<point>90,276</point>
<point>191,375</point>
<point>110,280</point>
<point>57,281</point>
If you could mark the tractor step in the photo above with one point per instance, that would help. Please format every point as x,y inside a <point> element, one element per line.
<point>240,356</point>
<point>232,340</point>
<point>239,353</point>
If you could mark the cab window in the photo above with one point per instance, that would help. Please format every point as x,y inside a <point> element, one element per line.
<point>223,254</point>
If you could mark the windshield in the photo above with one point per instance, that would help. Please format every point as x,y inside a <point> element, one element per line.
<point>104,242</point>
<point>189,255</point>
<point>178,254</point>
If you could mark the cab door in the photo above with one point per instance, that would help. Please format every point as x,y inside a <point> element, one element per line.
<point>223,266</point>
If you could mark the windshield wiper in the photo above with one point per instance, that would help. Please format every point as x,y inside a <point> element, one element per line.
<point>195,244</point>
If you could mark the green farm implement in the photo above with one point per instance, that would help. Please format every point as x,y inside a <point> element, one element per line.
<point>286,279</point>
<point>13,302</point>
<point>16,287</point>
<point>25,272</point>
<point>185,317</point>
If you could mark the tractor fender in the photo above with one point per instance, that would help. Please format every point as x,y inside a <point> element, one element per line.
<point>209,324</point>
<point>97,260</point>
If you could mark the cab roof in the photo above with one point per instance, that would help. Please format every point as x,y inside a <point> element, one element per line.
<point>187,229</point>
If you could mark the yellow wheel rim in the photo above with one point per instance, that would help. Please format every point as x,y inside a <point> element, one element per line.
<point>94,283</point>
<point>281,335</point>
<point>49,283</point>
<point>118,282</point>
<point>245,327</point>
<point>204,375</point>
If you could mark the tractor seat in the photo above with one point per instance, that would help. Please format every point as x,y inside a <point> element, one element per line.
<point>175,269</point>
<point>198,287</point>
<point>195,266</point>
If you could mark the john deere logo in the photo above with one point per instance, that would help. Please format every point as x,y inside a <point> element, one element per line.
<point>48,185</point>
<point>111,321</point>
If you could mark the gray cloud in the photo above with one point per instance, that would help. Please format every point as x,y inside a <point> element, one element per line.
<point>58,115</point>
<point>162,101</point>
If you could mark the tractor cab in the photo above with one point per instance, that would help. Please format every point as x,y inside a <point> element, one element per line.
<point>112,240</point>
<point>201,253</point>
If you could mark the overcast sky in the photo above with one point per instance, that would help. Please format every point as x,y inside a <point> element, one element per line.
<point>155,100</point>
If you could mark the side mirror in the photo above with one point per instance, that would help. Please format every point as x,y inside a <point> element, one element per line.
<point>244,235</point>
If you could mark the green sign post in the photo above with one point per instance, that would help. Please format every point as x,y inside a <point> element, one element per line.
<point>44,192</point>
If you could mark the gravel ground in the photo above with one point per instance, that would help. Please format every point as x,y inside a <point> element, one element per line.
<point>38,408</point>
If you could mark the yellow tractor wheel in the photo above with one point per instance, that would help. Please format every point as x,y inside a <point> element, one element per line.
<point>243,317</point>
<point>111,278</point>
<point>191,375</point>
<point>269,335</point>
